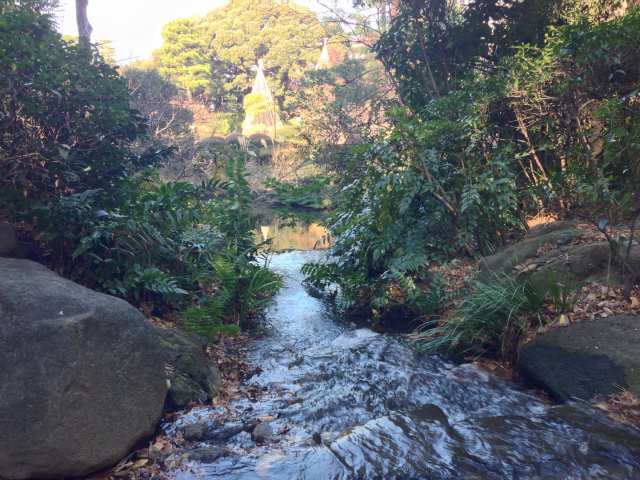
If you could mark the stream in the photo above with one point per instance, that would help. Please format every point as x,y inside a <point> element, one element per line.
<point>348,403</point>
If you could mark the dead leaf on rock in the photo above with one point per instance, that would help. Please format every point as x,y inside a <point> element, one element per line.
<point>140,463</point>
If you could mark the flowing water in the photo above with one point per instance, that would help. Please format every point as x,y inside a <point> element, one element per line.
<point>349,403</point>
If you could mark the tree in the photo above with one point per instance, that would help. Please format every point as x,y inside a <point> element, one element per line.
<point>433,45</point>
<point>215,56</point>
<point>184,57</point>
<point>168,117</point>
<point>343,105</point>
<point>84,27</point>
<point>67,125</point>
<point>158,100</point>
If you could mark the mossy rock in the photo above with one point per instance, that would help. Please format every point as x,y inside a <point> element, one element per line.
<point>585,360</point>
<point>585,263</point>
<point>193,377</point>
<point>551,227</point>
<point>556,234</point>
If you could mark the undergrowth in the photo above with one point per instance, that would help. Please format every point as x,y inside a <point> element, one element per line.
<point>489,320</point>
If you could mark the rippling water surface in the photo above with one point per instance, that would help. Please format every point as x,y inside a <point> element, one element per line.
<point>353,404</point>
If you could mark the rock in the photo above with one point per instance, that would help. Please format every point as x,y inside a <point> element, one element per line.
<point>582,263</point>
<point>327,438</point>
<point>81,378</point>
<point>231,429</point>
<point>195,432</point>
<point>585,359</point>
<point>193,377</point>
<point>206,454</point>
<point>505,261</point>
<point>262,433</point>
<point>551,227</point>
<point>8,240</point>
<point>585,263</point>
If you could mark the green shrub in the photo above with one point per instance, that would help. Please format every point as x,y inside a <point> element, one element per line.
<point>148,248</point>
<point>313,193</point>
<point>67,126</point>
<point>206,320</point>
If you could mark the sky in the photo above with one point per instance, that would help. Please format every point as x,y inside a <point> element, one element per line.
<point>134,26</point>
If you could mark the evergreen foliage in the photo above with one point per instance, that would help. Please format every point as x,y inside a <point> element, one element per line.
<point>215,56</point>
<point>504,110</point>
<point>79,181</point>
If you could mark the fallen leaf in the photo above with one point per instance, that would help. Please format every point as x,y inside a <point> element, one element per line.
<point>140,463</point>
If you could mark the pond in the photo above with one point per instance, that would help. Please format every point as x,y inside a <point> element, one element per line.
<point>291,230</point>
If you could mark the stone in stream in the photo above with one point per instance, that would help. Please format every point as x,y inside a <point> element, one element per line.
<point>195,432</point>
<point>81,375</point>
<point>217,433</point>
<point>586,359</point>
<point>206,454</point>
<point>262,433</point>
<point>325,438</point>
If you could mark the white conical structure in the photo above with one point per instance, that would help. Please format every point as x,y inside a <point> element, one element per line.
<point>265,120</point>
<point>325,60</point>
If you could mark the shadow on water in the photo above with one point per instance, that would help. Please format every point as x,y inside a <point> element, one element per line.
<point>349,403</point>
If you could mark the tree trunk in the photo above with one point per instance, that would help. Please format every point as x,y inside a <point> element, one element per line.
<point>84,27</point>
<point>532,150</point>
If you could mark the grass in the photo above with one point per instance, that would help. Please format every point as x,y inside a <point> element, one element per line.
<point>489,320</point>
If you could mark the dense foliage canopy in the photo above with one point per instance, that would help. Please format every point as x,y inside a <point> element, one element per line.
<point>504,110</point>
<point>79,181</point>
<point>215,56</point>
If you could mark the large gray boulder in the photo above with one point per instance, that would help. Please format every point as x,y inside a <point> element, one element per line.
<point>81,375</point>
<point>586,359</point>
<point>8,239</point>
<point>193,377</point>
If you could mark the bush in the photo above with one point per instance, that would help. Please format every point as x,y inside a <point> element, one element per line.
<point>66,123</point>
<point>152,247</point>
<point>237,278</point>
<point>547,122</point>
<point>74,180</point>
<point>312,193</point>
<point>561,287</point>
<point>243,290</point>
<point>416,198</point>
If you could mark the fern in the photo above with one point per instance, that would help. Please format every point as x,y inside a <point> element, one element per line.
<point>207,319</point>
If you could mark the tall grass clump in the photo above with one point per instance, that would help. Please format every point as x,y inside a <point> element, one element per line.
<point>490,320</point>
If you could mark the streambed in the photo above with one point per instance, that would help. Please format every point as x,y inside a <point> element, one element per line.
<point>349,403</point>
